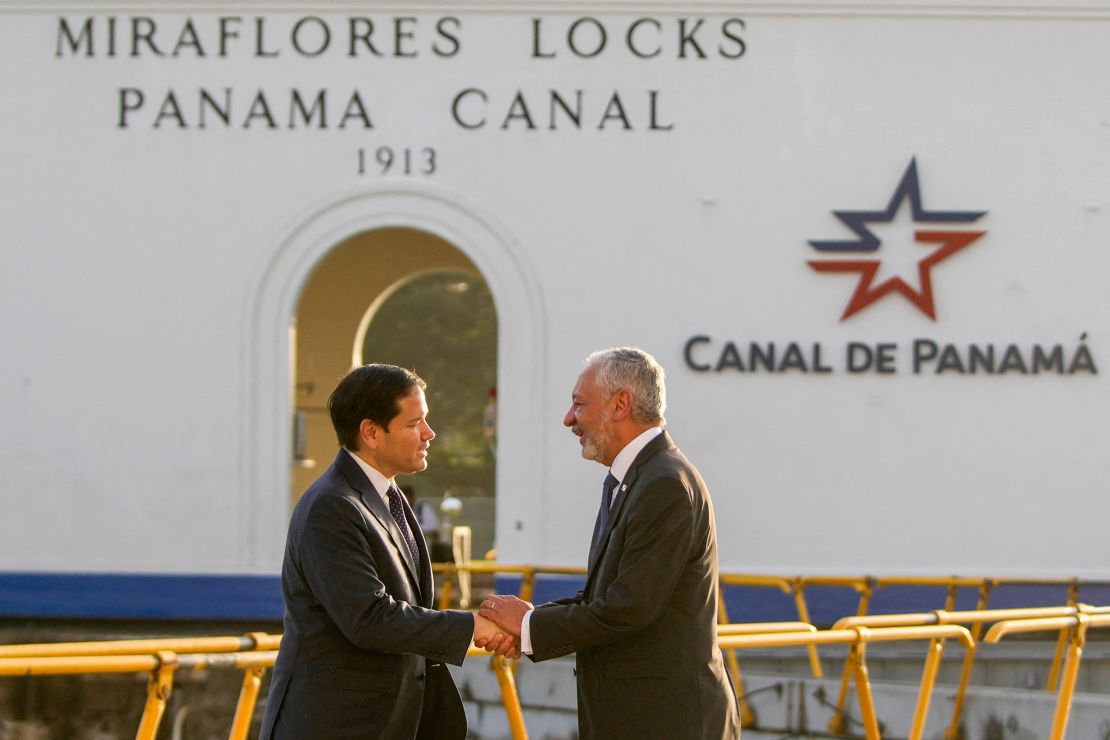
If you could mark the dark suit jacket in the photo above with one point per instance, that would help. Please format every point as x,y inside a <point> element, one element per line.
<point>644,627</point>
<point>363,651</point>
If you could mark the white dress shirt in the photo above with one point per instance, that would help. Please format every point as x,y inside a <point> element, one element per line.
<point>621,463</point>
<point>377,479</point>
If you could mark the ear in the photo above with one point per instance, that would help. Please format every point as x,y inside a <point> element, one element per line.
<point>622,404</point>
<point>369,434</point>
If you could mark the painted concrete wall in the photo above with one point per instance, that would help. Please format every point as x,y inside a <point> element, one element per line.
<point>153,261</point>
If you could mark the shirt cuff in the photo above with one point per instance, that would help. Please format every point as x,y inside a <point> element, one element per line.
<point>526,633</point>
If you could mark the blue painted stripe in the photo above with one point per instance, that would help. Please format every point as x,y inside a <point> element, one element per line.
<point>140,595</point>
<point>828,603</point>
<point>254,597</point>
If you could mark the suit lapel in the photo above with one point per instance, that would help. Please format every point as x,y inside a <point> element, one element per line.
<point>372,500</point>
<point>621,495</point>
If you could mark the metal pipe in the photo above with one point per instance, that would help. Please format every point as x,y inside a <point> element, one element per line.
<point>863,691</point>
<point>509,697</point>
<point>1061,643</point>
<point>924,694</point>
<point>134,647</point>
<point>1078,636</point>
<point>803,616</point>
<point>248,698</point>
<point>157,693</point>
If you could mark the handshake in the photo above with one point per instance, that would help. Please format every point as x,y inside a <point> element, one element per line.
<point>497,624</point>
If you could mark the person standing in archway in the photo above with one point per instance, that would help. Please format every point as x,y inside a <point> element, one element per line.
<point>364,652</point>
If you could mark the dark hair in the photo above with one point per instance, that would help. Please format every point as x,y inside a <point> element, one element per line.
<point>369,392</point>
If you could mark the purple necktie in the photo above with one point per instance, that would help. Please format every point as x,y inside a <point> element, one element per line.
<point>606,503</point>
<point>398,513</point>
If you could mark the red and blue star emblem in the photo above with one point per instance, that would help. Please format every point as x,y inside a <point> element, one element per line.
<point>869,251</point>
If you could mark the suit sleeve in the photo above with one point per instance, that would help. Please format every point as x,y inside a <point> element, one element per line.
<point>659,526</point>
<point>338,564</point>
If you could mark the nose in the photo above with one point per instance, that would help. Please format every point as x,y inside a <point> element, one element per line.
<point>568,420</point>
<point>429,434</point>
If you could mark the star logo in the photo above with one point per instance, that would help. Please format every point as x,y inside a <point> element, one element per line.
<point>891,248</point>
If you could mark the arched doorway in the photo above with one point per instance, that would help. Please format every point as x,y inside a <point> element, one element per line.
<point>409,298</point>
<point>269,376</point>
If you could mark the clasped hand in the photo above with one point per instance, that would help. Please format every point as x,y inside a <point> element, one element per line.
<point>503,615</point>
<point>491,637</point>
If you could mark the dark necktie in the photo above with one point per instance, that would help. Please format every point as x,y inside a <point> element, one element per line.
<point>398,513</point>
<point>606,503</point>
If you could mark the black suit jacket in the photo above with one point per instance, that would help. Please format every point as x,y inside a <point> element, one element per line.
<point>363,651</point>
<point>645,626</point>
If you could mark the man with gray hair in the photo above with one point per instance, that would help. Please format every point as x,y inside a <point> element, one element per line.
<point>644,629</point>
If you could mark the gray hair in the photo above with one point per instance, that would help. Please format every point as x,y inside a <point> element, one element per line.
<point>634,370</point>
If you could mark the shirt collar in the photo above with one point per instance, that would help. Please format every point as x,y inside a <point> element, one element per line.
<point>380,483</point>
<point>623,461</point>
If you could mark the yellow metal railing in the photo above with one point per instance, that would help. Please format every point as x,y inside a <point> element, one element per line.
<point>1075,628</point>
<point>977,618</point>
<point>796,587</point>
<point>864,586</point>
<point>255,652</point>
<point>856,632</point>
<point>858,638</point>
<point>250,641</point>
<point>162,666</point>
<point>162,658</point>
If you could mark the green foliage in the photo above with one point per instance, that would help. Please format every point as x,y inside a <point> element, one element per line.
<point>443,325</point>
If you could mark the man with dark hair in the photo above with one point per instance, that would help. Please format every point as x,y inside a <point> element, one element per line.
<point>363,651</point>
<point>645,626</point>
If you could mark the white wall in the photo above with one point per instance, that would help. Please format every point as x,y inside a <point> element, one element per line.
<point>149,273</point>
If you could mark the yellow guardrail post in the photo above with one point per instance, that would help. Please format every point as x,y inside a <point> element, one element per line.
<point>252,685</point>
<point>1062,641</point>
<point>950,600</point>
<point>837,721</point>
<point>158,692</point>
<point>799,586</point>
<point>1078,636</point>
<point>928,679</point>
<point>248,699</point>
<point>952,732</point>
<point>446,590</point>
<point>509,696</point>
<point>527,584</point>
<point>857,659</point>
<point>510,699</point>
